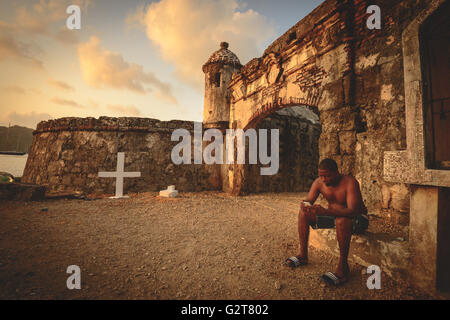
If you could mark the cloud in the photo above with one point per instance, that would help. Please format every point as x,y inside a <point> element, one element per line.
<point>60,85</point>
<point>102,68</point>
<point>37,17</point>
<point>125,110</point>
<point>34,18</point>
<point>189,31</point>
<point>10,48</point>
<point>66,36</point>
<point>69,103</point>
<point>93,104</point>
<point>29,120</point>
<point>13,89</point>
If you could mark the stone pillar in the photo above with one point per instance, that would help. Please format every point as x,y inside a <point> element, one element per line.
<point>443,245</point>
<point>430,238</point>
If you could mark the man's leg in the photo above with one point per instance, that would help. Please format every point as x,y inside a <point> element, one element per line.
<point>304,221</point>
<point>344,235</point>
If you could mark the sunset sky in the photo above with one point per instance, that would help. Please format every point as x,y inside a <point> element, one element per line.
<point>131,58</point>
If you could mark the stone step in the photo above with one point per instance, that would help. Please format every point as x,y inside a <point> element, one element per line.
<point>388,252</point>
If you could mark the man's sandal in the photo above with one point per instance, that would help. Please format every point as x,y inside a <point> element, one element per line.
<point>333,279</point>
<point>295,262</point>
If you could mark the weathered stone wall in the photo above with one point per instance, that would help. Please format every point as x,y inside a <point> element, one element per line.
<point>311,64</point>
<point>353,75</point>
<point>67,154</point>
<point>216,109</point>
<point>380,99</point>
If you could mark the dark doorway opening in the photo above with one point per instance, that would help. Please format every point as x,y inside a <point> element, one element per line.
<point>435,53</point>
<point>299,130</point>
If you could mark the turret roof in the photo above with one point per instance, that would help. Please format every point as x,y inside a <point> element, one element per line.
<point>224,56</point>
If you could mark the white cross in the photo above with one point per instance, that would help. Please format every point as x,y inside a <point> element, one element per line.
<point>119,175</point>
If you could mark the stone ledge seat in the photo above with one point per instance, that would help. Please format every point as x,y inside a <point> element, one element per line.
<point>389,252</point>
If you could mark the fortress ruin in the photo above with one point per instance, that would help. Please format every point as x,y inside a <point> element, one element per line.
<point>335,89</point>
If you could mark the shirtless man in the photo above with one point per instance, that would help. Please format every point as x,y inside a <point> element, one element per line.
<point>346,211</point>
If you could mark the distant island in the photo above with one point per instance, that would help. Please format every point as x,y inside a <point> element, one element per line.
<point>15,139</point>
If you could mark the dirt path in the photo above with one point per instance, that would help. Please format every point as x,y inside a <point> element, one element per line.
<point>199,246</point>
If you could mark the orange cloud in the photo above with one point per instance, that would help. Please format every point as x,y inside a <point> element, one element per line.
<point>36,17</point>
<point>66,36</point>
<point>65,102</point>
<point>189,31</point>
<point>10,48</point>
<point>29,120</point>
<point>125,110</point>
<point>103,68</point>
<point>60,85</point>
<point>13,89</point>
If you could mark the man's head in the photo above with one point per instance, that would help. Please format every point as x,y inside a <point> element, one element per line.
<point>328,172</point>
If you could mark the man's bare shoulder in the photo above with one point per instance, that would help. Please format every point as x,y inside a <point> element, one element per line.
<point>350,181</point>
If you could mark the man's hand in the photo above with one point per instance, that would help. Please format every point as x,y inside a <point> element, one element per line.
<point>305,208</point>
<point>318,210</point>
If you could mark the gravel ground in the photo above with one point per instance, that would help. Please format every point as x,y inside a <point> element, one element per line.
<point>198,246</point>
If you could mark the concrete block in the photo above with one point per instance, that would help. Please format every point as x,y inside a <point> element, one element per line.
<point>170,192</point>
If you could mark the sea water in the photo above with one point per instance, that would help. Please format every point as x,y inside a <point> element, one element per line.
<point>13,164</point>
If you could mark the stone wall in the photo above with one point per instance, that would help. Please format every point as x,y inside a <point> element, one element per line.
<point>67,154</point>
<point>353,76</point>
<point>380,100</point>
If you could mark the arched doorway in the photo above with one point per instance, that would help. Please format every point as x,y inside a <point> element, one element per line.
<point>299,130</point>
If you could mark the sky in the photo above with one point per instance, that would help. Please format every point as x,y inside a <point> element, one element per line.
<point>130,58</point>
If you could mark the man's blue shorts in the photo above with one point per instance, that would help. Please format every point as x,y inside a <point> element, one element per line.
<point>359,223</point>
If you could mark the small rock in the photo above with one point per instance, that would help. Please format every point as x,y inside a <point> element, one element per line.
<point>44,209</point>
<point>277,285</point>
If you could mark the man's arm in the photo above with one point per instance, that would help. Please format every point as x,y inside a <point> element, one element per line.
<point>353,200</point>
<point>313,192</point>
